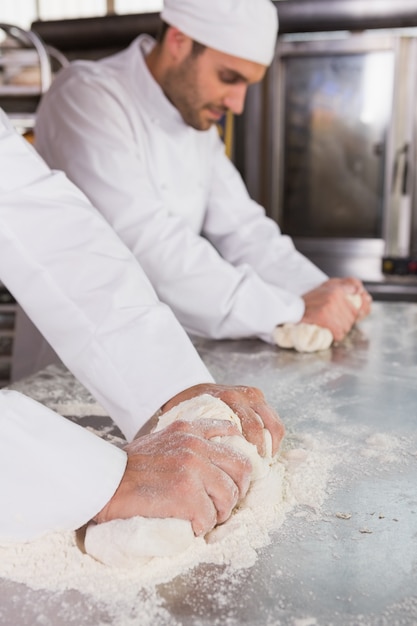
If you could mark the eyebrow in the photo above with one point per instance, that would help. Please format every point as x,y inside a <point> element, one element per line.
<point>236,75</point>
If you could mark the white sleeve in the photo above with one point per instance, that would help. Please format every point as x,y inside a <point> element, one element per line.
<point>86,292</point>
<point>210,296</point>
<point>54,475</point>
<point>240,230</point>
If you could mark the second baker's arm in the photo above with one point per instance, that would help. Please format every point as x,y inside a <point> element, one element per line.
<point>234,299</point>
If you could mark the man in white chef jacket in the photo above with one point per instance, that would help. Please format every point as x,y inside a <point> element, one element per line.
<point>137,133</point>
<point>89,297</point>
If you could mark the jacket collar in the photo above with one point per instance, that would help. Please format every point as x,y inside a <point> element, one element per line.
<point>148,92</point>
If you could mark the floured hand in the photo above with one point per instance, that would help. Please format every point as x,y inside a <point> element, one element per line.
<point>181,472</point>
<point>248,403</point>
<point>336,297</point>
<point>126,543</point>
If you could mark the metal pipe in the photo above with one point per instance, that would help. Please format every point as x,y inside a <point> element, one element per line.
<point>297,16</point>
<point>31,39</point>
<point>96,32</point>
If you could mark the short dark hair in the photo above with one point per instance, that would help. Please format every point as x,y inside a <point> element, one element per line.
<point>197,49</point>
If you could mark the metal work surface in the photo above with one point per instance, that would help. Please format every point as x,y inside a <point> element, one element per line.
<point>354,563</point>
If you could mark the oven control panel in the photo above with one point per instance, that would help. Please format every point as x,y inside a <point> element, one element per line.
<point>399,266</point>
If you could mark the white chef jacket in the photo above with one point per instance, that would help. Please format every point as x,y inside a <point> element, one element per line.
<point>174,198</point>
<point>88,296</point>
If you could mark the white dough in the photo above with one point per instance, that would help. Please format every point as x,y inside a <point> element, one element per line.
<point>126,543</point>
<point>303,337</point>
<point>135,541</point>
<point>355,299</point>
<point>308,337</point>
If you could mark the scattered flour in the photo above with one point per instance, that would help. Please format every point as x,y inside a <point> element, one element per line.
<point>382,447</point>
<point>56,563</point>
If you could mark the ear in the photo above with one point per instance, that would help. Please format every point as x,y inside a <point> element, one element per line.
<point>178,44</point>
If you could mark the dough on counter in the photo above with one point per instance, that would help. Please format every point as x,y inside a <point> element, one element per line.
<point>132,542</point>
<point>308,337</point>
<point>135,541</point>
<point>303,337</point>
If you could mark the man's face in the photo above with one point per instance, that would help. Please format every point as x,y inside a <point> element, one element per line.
<point>205,86</point>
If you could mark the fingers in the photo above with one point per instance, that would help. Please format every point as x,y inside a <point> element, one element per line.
<point>233,464</point>
<point>273,424</point>
<point>354,286</point>
<point>206,494</point>
<point>249,405</point>
<point>366,303</point>
<point>255,415</point>
<point>227,482</point>
<point>254,422</point>
<point>349,284</point>
<point>327,306</point>
<point>252,425</point>
<point>344,322</point>
<point>235,468</point>
<point>179,472</point>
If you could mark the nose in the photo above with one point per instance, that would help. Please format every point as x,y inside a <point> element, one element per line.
<point>235,99</point>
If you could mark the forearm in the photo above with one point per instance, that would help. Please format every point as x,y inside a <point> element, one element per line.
<point>87,294</point>
<point>242,233</point>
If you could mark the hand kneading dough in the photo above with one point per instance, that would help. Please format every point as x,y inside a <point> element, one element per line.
<point>208,407</point>
<point>132,542</point>
<point>308,337</point>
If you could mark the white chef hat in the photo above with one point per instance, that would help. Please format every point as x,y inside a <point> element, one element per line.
<point>242,28</point>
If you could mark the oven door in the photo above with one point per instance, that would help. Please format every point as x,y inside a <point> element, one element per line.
<point>339,173</point>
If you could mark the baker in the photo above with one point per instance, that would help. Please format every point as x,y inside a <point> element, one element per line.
<point>137,132</point>
<point>89,297</point>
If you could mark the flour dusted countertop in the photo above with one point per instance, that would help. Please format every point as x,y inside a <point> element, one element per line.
<point>348,559</point>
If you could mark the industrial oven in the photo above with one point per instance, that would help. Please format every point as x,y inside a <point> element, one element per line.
<point>334,159</point>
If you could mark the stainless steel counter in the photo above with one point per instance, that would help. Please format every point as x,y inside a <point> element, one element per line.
<point>354,569</point>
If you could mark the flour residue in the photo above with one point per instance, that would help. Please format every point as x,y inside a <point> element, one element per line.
<point>55,562</point>
<point>382,447</point>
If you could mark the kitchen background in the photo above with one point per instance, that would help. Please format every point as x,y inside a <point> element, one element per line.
<point>327,143</point>
<point>24,12</point>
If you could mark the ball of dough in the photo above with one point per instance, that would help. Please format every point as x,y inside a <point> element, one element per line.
<point>308,337</point>
<point>135,541</point>
<point>132,542</point>
<point>303,337</point>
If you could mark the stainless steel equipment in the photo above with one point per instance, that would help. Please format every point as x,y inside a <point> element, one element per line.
<point>22,52</point>
<point>345,124</point>
<point>338,128</point>
<point>298,16</point>
<point>26,72</point>
<point>351,563</point>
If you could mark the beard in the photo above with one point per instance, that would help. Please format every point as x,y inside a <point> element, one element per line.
<point>180,85</point>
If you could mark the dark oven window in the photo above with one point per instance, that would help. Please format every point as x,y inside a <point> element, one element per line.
<point>337,113</point>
